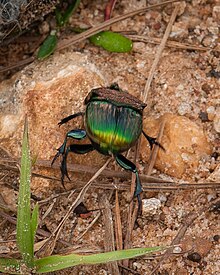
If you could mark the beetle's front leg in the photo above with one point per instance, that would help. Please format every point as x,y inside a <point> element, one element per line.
<point>73,148</point>
<point>68,118</point>
<point>77,134</point>
<point>128,165</point>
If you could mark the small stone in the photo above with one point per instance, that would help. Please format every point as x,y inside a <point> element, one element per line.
<point>203,116</point>
<point>206,88</point>
<point>179,30</point>
<point>150,206</point>
<point>216,238</point>
<point>211,112</point>
<point>209,41</point>
<point>177,250</point>
<point>216,14</point>
<point>44,28</point>
<point>194,257</point>
<point>184,108</point>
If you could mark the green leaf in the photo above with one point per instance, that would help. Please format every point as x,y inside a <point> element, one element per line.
<point>24,232</point>
<point>11,266</point>
<point>70,10</point>
<point>48,46</point>
<point>112,42</point>
<point>57,262</point>
<point>34,221</point>
<point>59,17</point>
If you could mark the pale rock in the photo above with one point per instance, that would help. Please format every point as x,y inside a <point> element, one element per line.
<point>46,92</point>
<point>211,112</point>
<point>184,141</point>
<point>216,13</point>
<point>150,206</point>
<point>179,30</point>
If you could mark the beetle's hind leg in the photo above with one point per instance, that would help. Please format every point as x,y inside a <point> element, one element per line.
<point>152,141</point>
<point>128,165</point>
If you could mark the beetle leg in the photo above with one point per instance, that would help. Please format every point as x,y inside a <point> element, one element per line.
<point>75,134</point>
<point>128,165</point>
<point>152,141</point>
<point>68,118</point>
<point>73,148</point>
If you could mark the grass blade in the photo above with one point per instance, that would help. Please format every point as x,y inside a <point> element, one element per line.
<point>70,10</point>
<point>57,262</point>
<point>11,266</point>
<point>34,221</point>
<point>48,46</point>
<point>24,232</point>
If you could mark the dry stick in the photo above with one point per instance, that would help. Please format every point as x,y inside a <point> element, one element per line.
<point>118,225</point>
<point>171,44</point>
<point>166,186</point>
<point>80,169</point>
<point>54,236</point>
<point>148,182</point>
<point>18,64</point>
<point>159,52</point>
<point>188,220</point>
<point>109,240</point>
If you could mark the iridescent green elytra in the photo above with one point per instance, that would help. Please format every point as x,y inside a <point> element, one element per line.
<point>113,123</point>
<point>113,126</point>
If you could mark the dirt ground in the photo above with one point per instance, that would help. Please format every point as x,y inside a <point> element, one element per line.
<point>186,82</point>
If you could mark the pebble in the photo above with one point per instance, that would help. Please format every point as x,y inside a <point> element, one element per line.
<point>150,206</point>
<point>211,112</point>
<point>216,13</point>
<point>179,30</point>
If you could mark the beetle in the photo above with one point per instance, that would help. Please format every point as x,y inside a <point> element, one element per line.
<point>113,121</point>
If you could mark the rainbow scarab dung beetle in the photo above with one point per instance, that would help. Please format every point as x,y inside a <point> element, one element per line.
<point>113,123</point>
